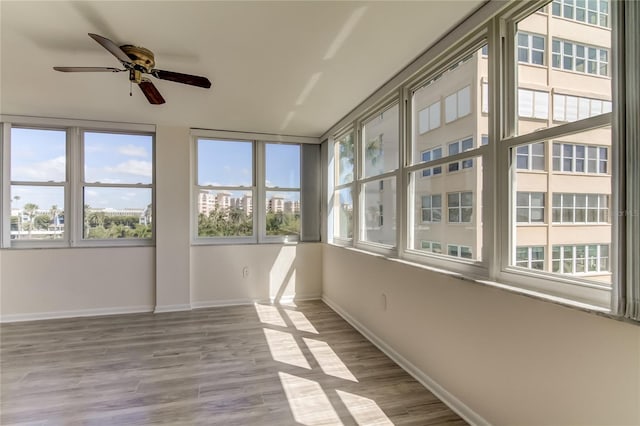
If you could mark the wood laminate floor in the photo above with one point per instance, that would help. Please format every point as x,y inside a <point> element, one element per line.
<point>241,365</point>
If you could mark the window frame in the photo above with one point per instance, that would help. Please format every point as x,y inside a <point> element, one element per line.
<point>530,49</point>
<point>337,186</point>
<point>73,197</point>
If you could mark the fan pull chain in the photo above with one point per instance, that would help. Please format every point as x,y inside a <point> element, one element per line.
<point>130,88</point>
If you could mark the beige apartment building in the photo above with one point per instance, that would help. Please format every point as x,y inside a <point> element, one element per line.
<point>561,189</point>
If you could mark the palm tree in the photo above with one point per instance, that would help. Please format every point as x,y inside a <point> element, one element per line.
<point>30,209</point>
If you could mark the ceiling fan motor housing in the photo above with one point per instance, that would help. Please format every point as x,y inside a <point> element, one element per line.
<point>140,56</point>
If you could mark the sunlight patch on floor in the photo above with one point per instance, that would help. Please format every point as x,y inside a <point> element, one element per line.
<point>300,321</point>
<point>329,362</point>
<point>284,348</point>
<point>364,410</point>
<point>308,402</point>
<point>270,315</point>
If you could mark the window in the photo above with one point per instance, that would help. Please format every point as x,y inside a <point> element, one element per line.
<point>343,198</point>
<point>579,158</point>
<point>432,154</point>
<point>431,246</point>
<point>530,156</point>
<point>429,118</point>
<point>459,251</point>
<point>458,104</point>
<point>580,208</point>
<point>117,185</point>
<point>380,162</point>
<point>282,185</point>
<point>431,208</point>
<point>533,104</point>
<point>458,147</point>
<point>570,56</point>
<point>530,48</point>
<point>530,257</point>
<point>530,207</point>
<point>106,176</point>
<point>485,97</point>
<point>580,259</point>
<point>594,12</point>
<point>460,207</point>
<point>572,108</point>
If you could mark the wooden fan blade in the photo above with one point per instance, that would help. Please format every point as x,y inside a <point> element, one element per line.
<point>111,47</point>
<point>177,77</point>
<point>151,93</point>
<point>87,69</point>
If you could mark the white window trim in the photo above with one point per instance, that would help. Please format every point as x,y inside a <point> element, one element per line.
<point>529,207</point>
<point>529,257</point>
<point>73,202</point>
<point>531,49</point>
<point>574,56</point>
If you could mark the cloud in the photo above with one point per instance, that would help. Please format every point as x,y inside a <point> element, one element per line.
<point>53,169</point>
<point>133,151</point>
<point>132,167</point>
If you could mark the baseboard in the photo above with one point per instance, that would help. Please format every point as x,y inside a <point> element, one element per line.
<point>76,313</point>
<point>445,396</point>
<point>172,308</point>
<point>247,301</point>
<point>296,298</point>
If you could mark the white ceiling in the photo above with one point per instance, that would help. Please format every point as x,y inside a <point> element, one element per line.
<point>291,68</point>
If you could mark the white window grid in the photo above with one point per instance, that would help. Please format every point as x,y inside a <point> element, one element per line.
<point>577,158</point>
<point>530,257</point>
<point>571,208</point>
<point>457,147</point>
<point>431,246</point>
<point>429,118</point>
<point>347,184</point>
<point>458,104</point>
<point>580,259</point>
<point>430,155</point>
<point>530,207</point>
<point>572,108</point>
<point>431,208</point>
<point>531,48</point>
<point>455,250</point>
<point>580,58</point>
<point>594,12</point>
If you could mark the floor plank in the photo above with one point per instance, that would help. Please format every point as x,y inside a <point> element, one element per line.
<point>241,365</point>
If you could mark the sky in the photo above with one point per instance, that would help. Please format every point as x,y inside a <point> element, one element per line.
<point>40,156</point>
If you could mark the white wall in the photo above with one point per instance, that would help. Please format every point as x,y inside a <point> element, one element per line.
<point>275,272</point>
<point>511,359</point>
<point>43,283</point>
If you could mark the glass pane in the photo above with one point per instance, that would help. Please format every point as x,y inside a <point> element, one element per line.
<point>225,163</point>
<point>113,213</point>
<point>37,212</point>
<point>118,158</point>
<point>380,142</point>
<point>344,159</point>
<point>38,155</point>
<point>283,213</point>
<point>379,212</point>
<point>282,165</point>
<point>455,202</point>
<point>225,213</point>
<point>343,214</point>
<point>453,92</point>
<point>574,76</point>
<point>579,203</point>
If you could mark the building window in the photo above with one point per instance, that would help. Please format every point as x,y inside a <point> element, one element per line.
<point>572,108</point>
<point>594,12</point>
<point>431,208</point>
<point>580,208</point>
<point>460,207</point>
<point>429,118</point>
<point>533,104</point>
<point>530,207</point>
<point>570,56</point>
<point>459,251</point>
<point>343,198</point>
<point>458,104</point>
<point>485,97</point>
<point>580,158</point>
<point>530,157</point>
<point>458,147</point>
<point>580,259</point>
<point>282,185</point>
<point>431,246</point>
<point>530,48</point>
<point>530,257</point>
<point>430,155</point>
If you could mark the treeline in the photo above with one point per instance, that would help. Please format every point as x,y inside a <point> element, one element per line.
<point>234,223</point>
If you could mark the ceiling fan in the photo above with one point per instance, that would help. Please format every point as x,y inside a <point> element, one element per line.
<point>139,61</point>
